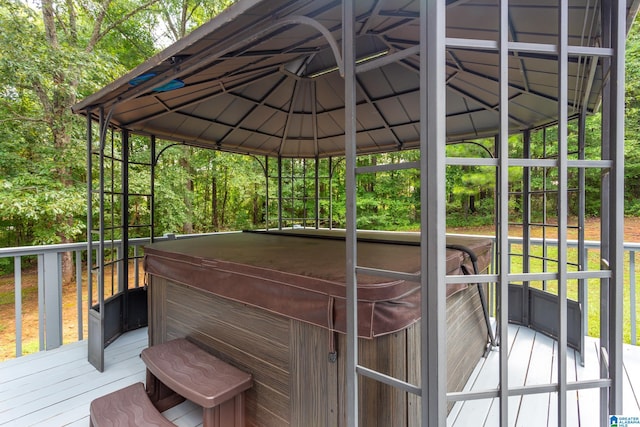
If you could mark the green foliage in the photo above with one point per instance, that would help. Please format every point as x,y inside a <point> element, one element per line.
<point>42,150</point>
<point>33,206</point>
<point>188,178</point>
<point>50,64</point>
<point>42,147</point>
<point>177,18</point>
<point>8,298</point>
<point>632,124</point>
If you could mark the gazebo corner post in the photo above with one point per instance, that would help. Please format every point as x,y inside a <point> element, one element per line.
<point>279,192</point>
<point>604,210</point>
<point>563,101</point>
<point>583,284</point>
<point>349,63</point>
<point>503,212</point>
<point>304,194</point>
<point>612,208</point>
<point>330,167</point>
<point>123,262</point>
<point>317,191</point>
<point>526,228</point>
<point>433,213</point>
<point>266,191</point>
<point>90,256</point>
<point>616,204</point>
<point>96,317</point>
<point>152,186</point>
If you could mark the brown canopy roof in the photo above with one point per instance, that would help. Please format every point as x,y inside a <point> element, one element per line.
<point>262,76</point>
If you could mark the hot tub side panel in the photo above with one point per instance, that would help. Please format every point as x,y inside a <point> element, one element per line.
<point>251,339</point>
<point>295,383</point>
<point>467,336</point>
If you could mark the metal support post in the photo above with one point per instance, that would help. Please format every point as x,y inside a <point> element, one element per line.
<point>350,129</point>
<point>152,173</point>
<point>563,101</point>
<point>279,193</point>
<point>266,189</point>
<point>526,225</point>
<point>317,192</point>
<point>616,204</point>
<point>503,216</point>
<point>433,213</point>
<point>583,285</point>
<point>123,261</point>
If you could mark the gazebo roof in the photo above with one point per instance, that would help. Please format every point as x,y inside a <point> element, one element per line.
<point>262,77</point>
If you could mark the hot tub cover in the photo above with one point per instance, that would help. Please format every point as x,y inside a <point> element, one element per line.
<point>303,277</point>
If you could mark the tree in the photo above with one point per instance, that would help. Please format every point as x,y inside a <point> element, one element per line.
<point>632,123</point>
<point>63,50</point>
<point>178,18</point>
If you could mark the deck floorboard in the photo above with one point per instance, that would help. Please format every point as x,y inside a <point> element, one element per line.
<point>55,388</point>
<point>533,361</point>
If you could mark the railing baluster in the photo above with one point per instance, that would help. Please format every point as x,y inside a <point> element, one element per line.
<point>79,293</point>
<point>493,269</point>
<point>632,294</point>
<point>17,274</point>
<point>41,305</point>
<point>585,294</point>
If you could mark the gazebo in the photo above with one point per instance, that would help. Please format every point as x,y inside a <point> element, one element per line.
<point>319,79</point>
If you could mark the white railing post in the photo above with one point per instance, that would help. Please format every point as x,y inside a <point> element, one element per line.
<point>52,300</point>
<point>17,274</point>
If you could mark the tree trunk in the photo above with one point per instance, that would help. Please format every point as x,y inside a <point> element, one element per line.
<point>187,227</point>
<point>256,206</point>
<point>206,197</point>
<point>465,205</point>
<point>214,204</point>
<point>60,126</point>
<point>225,196</point>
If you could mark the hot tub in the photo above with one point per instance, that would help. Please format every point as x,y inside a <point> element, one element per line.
<point>273,304</point>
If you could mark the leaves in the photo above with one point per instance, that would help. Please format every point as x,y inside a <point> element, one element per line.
<point>46,65</point>
<point>33,207</point>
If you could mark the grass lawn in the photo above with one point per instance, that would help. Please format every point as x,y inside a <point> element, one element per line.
<point>593,285</point>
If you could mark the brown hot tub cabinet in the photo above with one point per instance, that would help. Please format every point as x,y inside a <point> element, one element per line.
<point>273,305</point>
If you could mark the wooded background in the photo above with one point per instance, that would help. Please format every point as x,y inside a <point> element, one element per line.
<point>55,53</point>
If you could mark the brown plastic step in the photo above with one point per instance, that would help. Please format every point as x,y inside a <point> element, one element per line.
<point>127,407</point>
<point>202,378</point>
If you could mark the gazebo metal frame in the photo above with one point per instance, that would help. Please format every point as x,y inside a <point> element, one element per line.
<point>342,78</point>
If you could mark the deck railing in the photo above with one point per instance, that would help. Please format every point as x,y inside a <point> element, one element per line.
<point>50,288</point>
<point>49,277</point>
<point>630,251</point>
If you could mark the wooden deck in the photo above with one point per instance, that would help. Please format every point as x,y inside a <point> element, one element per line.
<point>532,362</point>
<point>55,388</point>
